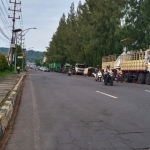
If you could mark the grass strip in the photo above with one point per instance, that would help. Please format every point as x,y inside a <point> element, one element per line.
<point>6,73</point>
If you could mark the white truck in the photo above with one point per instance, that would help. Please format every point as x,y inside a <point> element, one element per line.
<point>79,68</point>
<point>135,65</point>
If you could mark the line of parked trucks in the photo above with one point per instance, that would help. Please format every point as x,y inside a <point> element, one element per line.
<point>77,69</point>
<point>135,66</point>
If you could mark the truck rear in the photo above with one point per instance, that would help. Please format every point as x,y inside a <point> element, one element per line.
<point>136,66</point>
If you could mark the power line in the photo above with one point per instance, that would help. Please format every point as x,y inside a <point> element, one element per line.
<point>1,31</point>
<point>4,20</point>
<point>6,10</point>
<point>4,40</point>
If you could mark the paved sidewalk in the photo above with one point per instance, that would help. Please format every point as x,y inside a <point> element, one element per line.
<point>7,83</point>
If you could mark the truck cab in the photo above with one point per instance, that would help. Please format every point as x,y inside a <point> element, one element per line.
<point>79,68</point>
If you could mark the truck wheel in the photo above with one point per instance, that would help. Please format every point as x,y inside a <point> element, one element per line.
<point>127,77</point>
<point>147,80</point>
<point>141,78</point>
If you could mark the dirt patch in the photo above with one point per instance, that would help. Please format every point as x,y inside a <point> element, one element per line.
<point>9,129</point>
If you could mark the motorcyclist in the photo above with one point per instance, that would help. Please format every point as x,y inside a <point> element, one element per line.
<point>119,72</point>
<point>18,69</point>
<point>98,73</point>
<point>107,70</point>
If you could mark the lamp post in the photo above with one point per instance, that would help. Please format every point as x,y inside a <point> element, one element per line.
<point>23,33</point>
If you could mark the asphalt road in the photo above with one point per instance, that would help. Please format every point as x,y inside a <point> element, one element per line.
<point>58,112</point>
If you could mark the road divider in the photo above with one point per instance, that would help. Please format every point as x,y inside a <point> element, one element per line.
<point>106,94</point>
<point>6,110</point>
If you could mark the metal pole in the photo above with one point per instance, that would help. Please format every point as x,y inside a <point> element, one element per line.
<point>15,54</point>
<point>22,64</point>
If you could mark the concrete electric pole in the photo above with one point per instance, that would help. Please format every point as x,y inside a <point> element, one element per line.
<point>13,28</point>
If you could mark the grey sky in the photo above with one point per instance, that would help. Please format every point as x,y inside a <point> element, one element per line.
<point>45,16</point>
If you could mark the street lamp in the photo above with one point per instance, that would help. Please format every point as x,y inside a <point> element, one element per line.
<point>25,32</point>
<point>21,35</point>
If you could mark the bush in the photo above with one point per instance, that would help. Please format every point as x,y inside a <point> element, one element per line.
<point>3,63</point>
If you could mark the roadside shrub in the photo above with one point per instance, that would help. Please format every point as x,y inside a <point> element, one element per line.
<point>3,63</point>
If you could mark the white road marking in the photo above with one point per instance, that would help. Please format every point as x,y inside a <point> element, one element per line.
<point>147,91</point>
<point>106,94</point>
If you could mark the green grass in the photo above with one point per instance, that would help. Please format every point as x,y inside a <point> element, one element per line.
<point>5,73</point>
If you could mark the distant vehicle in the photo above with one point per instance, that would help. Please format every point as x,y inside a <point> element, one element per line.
<point>55,66</point>
<point>98,76</point>
<point>69,72</point>
<point>90,71</point>
<point>79,68</point>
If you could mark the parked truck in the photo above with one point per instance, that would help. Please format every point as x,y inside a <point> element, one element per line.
<point>135,65</point>
<point>79,68</point>
<point>55,66</point>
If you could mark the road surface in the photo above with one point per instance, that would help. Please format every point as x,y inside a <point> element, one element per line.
<point>58,112</point>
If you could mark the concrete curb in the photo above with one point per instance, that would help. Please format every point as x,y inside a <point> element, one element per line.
<point>7,109</point>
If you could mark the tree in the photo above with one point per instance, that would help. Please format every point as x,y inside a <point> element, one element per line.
<point>137,24</point>
<point>38,62</point>
<point>3,63</point>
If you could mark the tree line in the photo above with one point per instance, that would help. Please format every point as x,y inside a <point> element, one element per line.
<point>98,28</point>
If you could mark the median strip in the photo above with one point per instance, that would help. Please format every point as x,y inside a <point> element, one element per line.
<point>106,94</point>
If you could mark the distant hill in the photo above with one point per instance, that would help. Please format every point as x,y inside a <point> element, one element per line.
<point>4,50</point>
<point>31,54</point>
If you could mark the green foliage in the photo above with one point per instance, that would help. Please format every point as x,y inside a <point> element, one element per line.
<point>19,53</point>
<point>96,29</point>
<point>3,63</point>
<point>32,55</point>
<point>5,73</point>
<point>38,62</point>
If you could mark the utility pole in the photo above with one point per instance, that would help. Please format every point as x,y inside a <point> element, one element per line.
<point>13,39</point>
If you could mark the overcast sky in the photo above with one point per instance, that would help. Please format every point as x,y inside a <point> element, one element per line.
<point>45,16</point>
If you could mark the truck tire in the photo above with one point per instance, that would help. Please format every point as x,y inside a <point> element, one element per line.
<point>147,80</point>
<point>127,77</point>
<point>141,78</point>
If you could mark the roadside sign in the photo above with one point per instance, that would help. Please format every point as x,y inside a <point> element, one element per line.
<point>13,46</point>
<point>20,57</point>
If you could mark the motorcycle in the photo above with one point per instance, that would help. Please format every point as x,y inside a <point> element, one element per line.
<point>119,77</point>
<point>69,72</point>
<point>98,76</point>
<point>109,79</point>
